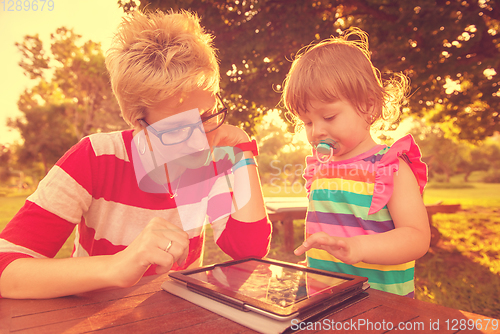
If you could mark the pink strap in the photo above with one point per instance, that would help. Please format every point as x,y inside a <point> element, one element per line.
<point>407,149</point>
<point>311,165</point>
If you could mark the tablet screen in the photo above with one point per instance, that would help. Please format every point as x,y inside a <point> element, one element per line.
<point>269,283</point>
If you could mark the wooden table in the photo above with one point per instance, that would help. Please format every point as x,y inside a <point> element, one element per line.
<point>439,208</point>
<point>284,210</point>
<point>145,308</point>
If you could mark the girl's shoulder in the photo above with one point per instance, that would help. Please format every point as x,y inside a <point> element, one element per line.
<point>406,150</point>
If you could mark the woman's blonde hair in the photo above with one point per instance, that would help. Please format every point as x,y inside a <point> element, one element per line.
<point>155,56</point>
<point>340,68</point>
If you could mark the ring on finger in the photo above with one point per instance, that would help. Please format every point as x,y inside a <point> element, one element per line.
<point>168,246</point>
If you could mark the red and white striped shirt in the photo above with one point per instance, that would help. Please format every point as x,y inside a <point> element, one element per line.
<point>93,187</point>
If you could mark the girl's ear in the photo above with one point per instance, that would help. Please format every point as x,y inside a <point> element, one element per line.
<point>370,112</point>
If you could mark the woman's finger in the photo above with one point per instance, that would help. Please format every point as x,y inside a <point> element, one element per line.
<point>162,259</point>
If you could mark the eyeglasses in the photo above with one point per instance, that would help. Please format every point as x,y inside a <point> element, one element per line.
<point>211,120</point>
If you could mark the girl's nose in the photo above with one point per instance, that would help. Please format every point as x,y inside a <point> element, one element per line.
<point>318,132</point>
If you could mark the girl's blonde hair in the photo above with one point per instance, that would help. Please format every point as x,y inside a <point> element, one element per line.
<point>340,68</point>
<point>155,56</point>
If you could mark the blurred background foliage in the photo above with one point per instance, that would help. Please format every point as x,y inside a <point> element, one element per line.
<point>448,49</point>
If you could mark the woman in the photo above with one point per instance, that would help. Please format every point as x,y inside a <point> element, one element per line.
<point>165,75</point>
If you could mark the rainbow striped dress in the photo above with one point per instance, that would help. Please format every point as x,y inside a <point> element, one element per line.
<point>349,198</point>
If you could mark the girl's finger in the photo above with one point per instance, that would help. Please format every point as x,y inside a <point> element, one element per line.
<point>299,250</point>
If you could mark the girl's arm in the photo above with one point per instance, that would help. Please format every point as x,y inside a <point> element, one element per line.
<point>411,237</point>
<point>408,241</point>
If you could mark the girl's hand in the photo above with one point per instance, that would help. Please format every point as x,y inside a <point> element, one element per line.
<point>149,248</point>
<point>346,250</point>
<point>227,135</point>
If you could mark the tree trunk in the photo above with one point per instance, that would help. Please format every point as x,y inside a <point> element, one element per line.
<point>466,176</point>
<point>44,162</point>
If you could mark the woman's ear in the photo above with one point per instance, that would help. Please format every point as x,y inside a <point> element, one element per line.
<point>137,125</point>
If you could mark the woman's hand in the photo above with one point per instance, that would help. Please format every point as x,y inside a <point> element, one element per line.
<point>227,135</point>
<point>346,250</point>
<point>150,247</point>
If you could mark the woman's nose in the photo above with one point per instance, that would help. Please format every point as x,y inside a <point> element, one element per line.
<point>198,140</point>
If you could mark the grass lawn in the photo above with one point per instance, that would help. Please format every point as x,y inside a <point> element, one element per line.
<point>9,207</point>
<point>462,271</point>
<point>480,194</point>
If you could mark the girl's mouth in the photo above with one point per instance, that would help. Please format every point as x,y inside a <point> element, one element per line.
<point>325,149</point>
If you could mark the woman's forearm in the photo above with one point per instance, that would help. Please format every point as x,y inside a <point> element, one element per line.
<point>50,278</point>
<point>160,242</point>
<point>248,193</point>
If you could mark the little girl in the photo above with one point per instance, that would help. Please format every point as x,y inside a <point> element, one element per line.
<point>366,216</point>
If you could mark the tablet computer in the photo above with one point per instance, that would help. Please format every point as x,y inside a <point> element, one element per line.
<point>279,290</point>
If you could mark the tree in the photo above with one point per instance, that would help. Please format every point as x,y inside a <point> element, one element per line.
<point>474,158</point>
<point>77,99</point>
<point>447,156</point>
<point>46,129</point>
<point>5,157</point>
<point>281,154</point>
<point>448,48</point>
<point>492,151</point>
<point>440,153</point>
